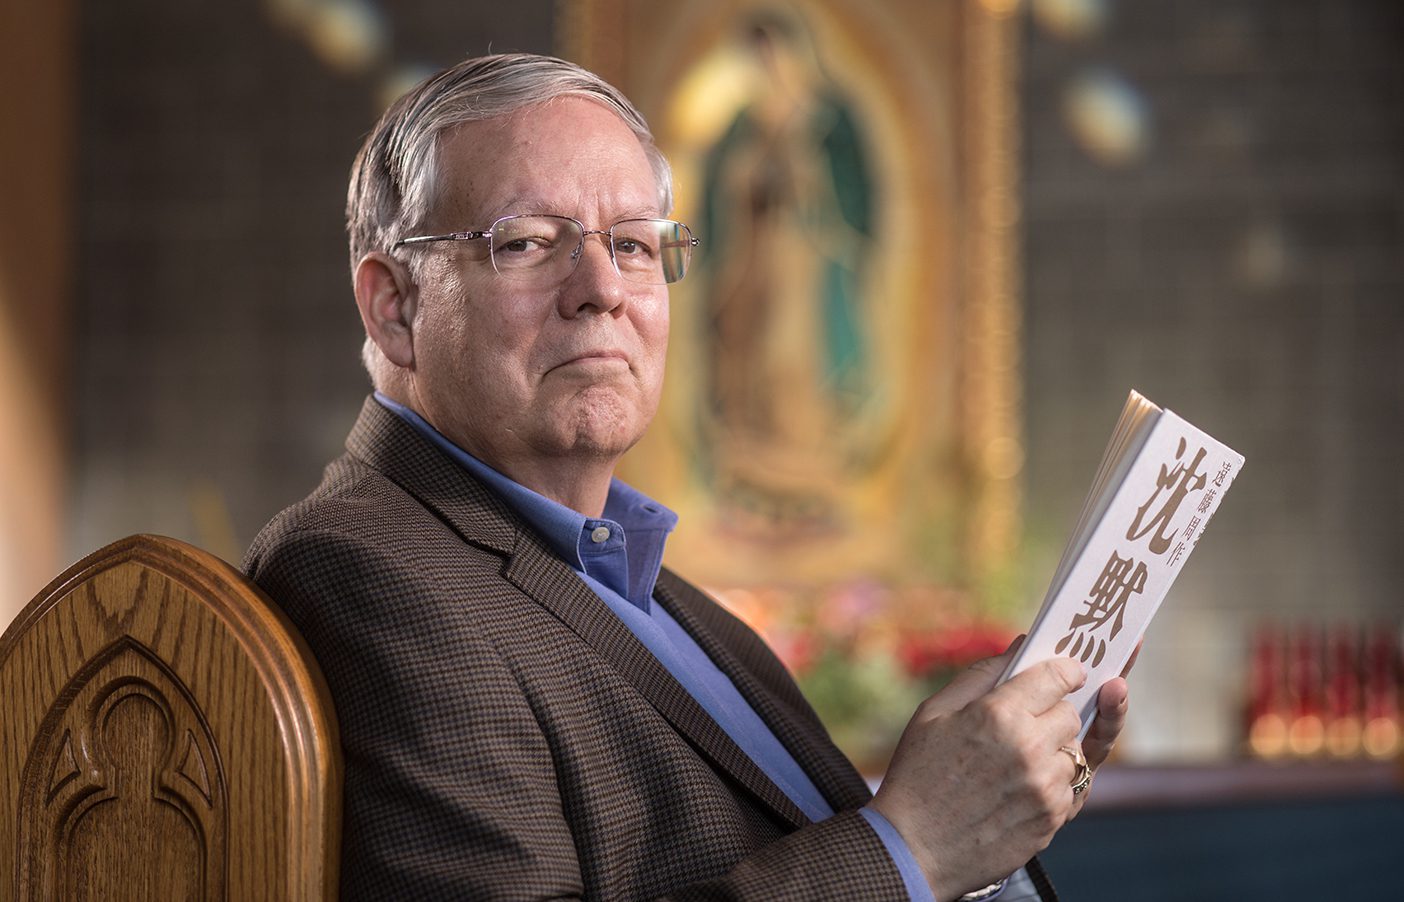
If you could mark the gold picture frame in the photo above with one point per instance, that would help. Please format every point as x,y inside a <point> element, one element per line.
<point>842,400</point>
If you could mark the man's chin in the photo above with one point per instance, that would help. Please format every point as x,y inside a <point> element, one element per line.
<point>604,426</point>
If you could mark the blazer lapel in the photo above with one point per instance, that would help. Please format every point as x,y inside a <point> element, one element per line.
<point>799,731</point>
<point>543,576</point>
<point>385,442</point>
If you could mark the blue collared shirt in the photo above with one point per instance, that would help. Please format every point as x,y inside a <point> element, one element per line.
<point>619,557</point>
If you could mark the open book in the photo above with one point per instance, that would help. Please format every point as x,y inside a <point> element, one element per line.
<point>1160,481</point>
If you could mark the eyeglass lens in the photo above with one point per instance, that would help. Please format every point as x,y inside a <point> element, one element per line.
<point>547,248</point>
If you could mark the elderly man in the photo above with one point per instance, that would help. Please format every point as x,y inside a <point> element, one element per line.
<point>530,706</point>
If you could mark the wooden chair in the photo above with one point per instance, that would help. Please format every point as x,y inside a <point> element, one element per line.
<point>164,734</point>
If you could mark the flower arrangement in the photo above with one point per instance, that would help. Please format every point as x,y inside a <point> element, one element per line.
<point>866,654</point>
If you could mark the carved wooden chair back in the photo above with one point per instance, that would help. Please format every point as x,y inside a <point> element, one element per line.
<point>164,734</point>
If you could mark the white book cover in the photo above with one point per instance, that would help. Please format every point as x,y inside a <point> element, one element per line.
<point>1160,481</point>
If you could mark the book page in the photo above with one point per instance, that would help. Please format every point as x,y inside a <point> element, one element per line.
<point>1138,535</point>
<point>1133,427</point>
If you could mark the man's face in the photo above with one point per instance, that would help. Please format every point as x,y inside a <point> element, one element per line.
<point>524,376</point>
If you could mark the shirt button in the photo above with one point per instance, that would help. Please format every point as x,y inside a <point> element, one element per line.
<point>599,535</point>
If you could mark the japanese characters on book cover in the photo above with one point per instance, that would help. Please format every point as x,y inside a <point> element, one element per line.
<point>1160,481</point>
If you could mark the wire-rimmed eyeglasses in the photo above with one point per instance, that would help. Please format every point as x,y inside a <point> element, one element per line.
<point>545,249</point>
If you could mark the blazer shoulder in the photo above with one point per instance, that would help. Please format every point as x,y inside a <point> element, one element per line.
<point>358,539</point>
<point>355,503</point>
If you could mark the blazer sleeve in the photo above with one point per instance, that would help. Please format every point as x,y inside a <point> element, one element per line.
<point>482,816</point>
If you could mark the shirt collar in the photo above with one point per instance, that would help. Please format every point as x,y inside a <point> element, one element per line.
<point>638,526</point>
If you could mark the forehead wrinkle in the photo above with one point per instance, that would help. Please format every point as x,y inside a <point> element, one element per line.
<point>465,193</point>
<point>595,207</point>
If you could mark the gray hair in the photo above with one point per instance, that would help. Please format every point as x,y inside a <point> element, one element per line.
<point>394,177</point>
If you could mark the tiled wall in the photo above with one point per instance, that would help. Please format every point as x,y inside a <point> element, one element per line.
<point>1245,268</point>
<point>217,339</point>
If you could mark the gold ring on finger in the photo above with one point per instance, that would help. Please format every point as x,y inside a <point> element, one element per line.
<point>1082,774</point>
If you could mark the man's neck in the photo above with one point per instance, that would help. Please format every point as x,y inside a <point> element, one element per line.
<point>580,482</point>
<point>582,486</point>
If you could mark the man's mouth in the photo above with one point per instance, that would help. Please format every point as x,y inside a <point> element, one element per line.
<point>596,361</point>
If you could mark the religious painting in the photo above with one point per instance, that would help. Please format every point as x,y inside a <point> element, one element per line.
<point>839,400</point>
<point>840,408</point>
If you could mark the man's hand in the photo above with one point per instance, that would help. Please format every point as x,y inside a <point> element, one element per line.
<point>1111,717</point>
<point>977,785</point>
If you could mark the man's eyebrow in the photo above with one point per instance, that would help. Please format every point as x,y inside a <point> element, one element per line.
<point>515,206</point>
<point>649,212</point>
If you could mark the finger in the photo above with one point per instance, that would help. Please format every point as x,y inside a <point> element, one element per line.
<point>1112,705</point>
<point>1067,769</point>
<point>996,665</point>
<point>973,682</point>
<point>1045,684</point>
<point>1059,725</point>
<point>1111,698</point>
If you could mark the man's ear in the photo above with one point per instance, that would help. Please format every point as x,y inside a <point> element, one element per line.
<point>386,298</point>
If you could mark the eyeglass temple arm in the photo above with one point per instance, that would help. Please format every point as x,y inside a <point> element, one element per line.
<point>473,236</point>
<point>451,236</point>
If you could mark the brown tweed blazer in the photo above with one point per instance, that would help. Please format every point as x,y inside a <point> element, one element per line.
<point>507,737</point>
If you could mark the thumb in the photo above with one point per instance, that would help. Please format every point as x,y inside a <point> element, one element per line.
<point>971,683</point>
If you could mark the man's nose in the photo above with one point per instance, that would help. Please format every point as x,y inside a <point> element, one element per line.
<point>594,284</point>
